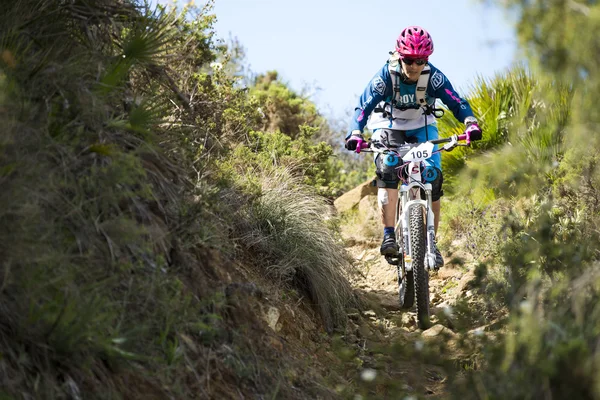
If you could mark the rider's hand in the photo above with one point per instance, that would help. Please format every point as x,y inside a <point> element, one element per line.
<point>354,140</point>
<point>473,129</point>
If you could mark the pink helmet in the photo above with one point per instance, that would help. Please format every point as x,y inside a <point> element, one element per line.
<point>414,42</point>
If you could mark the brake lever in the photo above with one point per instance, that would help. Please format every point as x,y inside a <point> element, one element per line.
<point>452,144</point>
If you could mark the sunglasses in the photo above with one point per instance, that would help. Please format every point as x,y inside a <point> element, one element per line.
<point>418,61</point>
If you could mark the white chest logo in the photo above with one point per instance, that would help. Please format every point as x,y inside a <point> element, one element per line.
<point>437,80</point>
<point>408,98</point>
<point>379,85</point>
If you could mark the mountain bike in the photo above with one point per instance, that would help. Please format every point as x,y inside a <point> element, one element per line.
<point>415,233</point>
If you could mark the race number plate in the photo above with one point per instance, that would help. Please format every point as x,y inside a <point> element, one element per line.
<point>419,153</point>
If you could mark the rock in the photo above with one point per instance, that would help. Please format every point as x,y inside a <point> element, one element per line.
<point>368,209</point>
<point>408,389</point>
<point>364,331</point>
<point>447,273</point>
<point>480,331</point>
<point>370,257</point>
<point>370,314</point>
<point>466,282</point>
<point>443,308</point>
<point>437,330</point>
<point>272,318</point>
<point>368,374</point>
<point>350,199</point>
<point>384,272</point>
<point>390,303</point>
<point>408,320</point>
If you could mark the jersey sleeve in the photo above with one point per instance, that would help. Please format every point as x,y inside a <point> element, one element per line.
<point>376,91</point>
<point>441,88</point>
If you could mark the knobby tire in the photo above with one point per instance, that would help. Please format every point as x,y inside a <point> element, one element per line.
<point>420,274</point>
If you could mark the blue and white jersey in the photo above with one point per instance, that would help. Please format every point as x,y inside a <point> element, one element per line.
<point>407,114</point>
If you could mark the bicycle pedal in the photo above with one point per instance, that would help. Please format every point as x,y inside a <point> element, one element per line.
<point>393,260</point>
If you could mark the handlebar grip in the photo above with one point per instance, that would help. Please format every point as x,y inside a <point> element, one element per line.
<point>361,144</point>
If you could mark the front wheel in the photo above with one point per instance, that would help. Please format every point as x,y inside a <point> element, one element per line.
<point>406,283</point>
<point>420,275</point>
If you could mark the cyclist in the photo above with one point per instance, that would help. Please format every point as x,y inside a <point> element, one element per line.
<point>399,103</point>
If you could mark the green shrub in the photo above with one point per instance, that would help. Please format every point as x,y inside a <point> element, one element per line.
<point>303,157</point>
<point>90,198</point>
<point>284,229</point>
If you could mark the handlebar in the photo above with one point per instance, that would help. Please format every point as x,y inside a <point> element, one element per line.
<point>451,141</point>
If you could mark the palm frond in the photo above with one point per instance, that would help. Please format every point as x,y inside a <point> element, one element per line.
<point>510,114</point>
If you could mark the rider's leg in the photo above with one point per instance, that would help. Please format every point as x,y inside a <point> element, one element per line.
<point>387,199</point>
<point>436,208</point>
<point>388,208</point>
<point>387,181</point>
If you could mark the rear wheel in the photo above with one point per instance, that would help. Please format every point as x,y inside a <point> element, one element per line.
<point>420,275</point>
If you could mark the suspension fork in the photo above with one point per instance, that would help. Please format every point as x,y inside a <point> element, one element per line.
<point>430,256</point>
<point>409,197</point>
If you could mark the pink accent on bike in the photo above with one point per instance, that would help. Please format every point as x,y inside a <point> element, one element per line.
<point>414,42</point>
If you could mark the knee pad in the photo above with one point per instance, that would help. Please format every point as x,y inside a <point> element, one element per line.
<point>387,171</point>
<point>434,176</point>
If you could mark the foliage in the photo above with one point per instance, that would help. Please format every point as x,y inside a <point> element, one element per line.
<point>303,157</point>
<point>291,133</point>
<point>474,228</point>
<point>285,230</point>
<point>548,349</point>
<point>283,109</point>
<point>502,105</point>
<point>113,116</point>
<point>89,197</point>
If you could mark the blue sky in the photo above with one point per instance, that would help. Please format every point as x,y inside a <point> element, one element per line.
<point>330,49</point>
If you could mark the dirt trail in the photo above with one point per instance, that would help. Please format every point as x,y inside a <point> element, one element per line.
<point>379,279</point>
<point>386,323</point>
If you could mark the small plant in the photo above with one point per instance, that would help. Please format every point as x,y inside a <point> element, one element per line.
<point>284,227</point>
